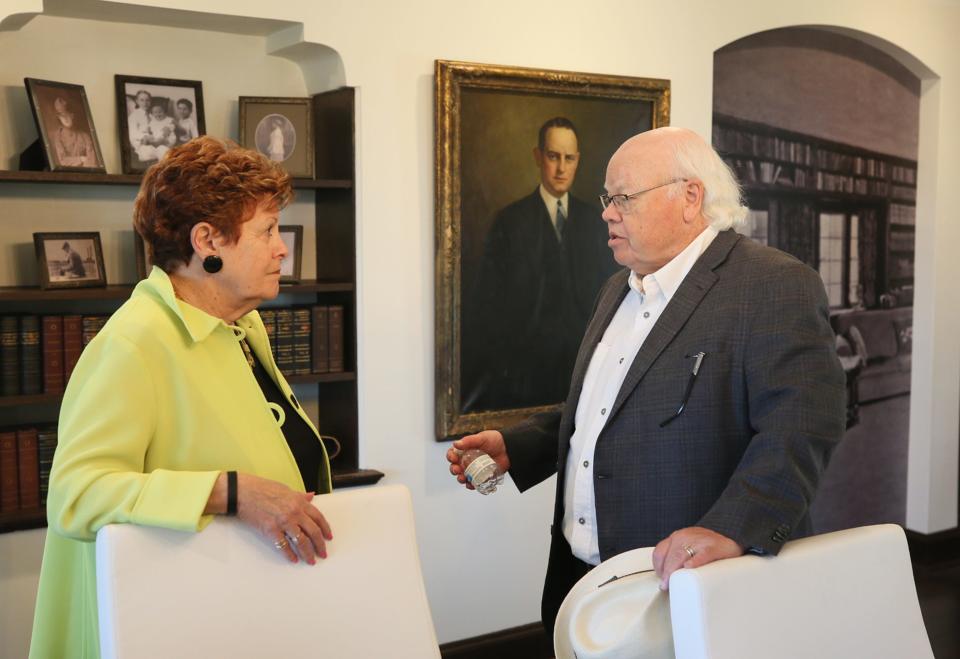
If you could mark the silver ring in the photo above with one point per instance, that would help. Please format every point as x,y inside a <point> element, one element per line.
<point>691,552</point>
<point>280,544</point>
<point>295,539</point>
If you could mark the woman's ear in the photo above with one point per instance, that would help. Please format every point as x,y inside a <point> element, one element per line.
<point>204,239</point>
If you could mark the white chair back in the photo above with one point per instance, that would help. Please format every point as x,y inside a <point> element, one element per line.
<point>225,592</point>
<point>838,595</point>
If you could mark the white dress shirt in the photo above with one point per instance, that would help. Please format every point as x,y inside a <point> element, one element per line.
<point>551,203</point>
<point>609,364</point>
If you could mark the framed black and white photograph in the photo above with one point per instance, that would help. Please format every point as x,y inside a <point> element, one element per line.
<point>144,261</point>
<point>292,236</point>
<point>65,126</point>
<point>70,260</point>
<point>155,115</point>
<point>521,248</point>
<point>281,129</point>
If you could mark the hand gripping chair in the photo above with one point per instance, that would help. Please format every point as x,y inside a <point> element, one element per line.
<point>225,592</point>
<point>847,594</point>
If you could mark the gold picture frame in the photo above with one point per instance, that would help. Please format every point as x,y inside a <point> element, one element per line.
<point>487,122</point>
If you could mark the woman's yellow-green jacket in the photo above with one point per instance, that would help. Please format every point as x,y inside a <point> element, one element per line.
<point>161,401</point>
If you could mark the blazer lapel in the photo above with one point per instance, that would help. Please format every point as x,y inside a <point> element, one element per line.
<point>698,281</point>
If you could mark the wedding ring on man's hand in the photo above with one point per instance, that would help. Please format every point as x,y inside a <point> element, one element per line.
<point>280,544</point>
<point>691,552</point>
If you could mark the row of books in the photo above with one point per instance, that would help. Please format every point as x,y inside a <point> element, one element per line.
<point>734,140</point>
<point>306,339</point>
<point>901,241</point>
<point>901,174</point>
<point>38,353</point>
<point>749,171</point>
<point>901,214</point>
<point>851,184</point>
<point>904,192</point>
<point>850,164</point>
<point>25,458</point>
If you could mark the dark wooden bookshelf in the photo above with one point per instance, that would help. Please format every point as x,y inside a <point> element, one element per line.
<point>122,291</point>
<point>86,178</point>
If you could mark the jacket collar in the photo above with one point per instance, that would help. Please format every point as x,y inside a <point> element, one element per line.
<point>198,324</point>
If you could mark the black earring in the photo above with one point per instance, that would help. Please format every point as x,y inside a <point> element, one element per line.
<point>212,264</point>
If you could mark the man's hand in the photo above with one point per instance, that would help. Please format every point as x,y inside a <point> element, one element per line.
<point>706,546</point>
<point>488,441</point>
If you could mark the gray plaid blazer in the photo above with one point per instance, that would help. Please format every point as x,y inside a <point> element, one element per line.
<point>765,411</point>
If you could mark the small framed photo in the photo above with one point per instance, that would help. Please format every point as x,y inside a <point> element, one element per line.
<point>292,236</point>
<point>281,129</point>
<point>155,115</point>
<point>144,260</point>
<point>65,125</point>
<point>70,260</point>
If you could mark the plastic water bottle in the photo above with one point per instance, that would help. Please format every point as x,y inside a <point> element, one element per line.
<point>480,470</point>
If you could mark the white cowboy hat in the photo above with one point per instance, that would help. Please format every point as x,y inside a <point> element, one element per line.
<point>616,611</point>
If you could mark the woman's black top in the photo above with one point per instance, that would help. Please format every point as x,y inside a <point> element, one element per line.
<point>304,445</point>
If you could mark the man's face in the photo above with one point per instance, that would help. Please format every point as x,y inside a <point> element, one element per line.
<point>652,231</point>
<point>558,160</point>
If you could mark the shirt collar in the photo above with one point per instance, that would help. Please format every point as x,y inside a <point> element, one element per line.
<point>199,324</point>
<point>551,203</point>
<point>668,278</point>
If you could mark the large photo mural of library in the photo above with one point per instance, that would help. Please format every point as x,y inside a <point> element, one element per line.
<point>822,132</point>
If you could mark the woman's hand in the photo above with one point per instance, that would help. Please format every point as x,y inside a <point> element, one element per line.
<point>285,518</point>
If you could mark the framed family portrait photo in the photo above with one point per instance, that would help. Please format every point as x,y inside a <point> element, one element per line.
<point>521,249</point>
<point>65,125</point>
<point>155,115</point>
<point>292,236</point>
<point>70,260</point>
<point>281,129</point>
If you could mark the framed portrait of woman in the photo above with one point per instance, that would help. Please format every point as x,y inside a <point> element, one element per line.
<point>281,129</point>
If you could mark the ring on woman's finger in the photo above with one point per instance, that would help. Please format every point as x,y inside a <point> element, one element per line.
<point>295,539</point>
<point>280,544</point>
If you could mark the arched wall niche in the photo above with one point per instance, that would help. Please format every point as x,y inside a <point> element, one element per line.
<point>932,469</point>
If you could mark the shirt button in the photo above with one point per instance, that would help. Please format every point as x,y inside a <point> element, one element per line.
<point>603,411</point>
<point>621,361</point>
<point>646,314</point>
<point>586,463</point>
<point>582,520</point>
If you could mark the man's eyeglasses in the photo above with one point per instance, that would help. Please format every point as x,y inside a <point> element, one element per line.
<point>622,201</point>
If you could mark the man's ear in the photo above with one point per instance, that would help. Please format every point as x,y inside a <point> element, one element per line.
<point>205,239</point>
<point>692,200</point>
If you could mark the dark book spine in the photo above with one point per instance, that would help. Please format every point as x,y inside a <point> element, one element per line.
<point>72,344</point>
<point>321,354</point>
<point>10,361</point>
<point>29,468</point>
<point>9,485</point>
<point>285,341</point>
<point>31,360</point>
<point>92,325</point>
<point>301,341</point>
<point>269,318</point>
<point>53,369</point>
<point>335,337</point>
<point>46,446</point>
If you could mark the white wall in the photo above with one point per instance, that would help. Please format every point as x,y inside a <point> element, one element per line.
<point>483,558</point>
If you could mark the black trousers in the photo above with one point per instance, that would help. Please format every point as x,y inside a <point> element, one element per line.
<point>563,572</point>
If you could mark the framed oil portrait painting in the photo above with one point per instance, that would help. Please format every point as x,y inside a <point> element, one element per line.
<point>155,115</point>
<point>521,250</point>
<point>70,260</point>
<point>65,125</point>
<point>292,236</point>
<point>281,129</point>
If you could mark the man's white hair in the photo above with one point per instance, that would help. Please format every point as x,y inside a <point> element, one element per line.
<point>722,198</point>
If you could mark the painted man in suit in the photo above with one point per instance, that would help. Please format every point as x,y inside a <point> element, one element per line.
<point>707,396</point>
<point>545,259</point>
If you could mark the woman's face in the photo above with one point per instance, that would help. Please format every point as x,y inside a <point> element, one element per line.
<point>251,266</point>
<point>143,100</point>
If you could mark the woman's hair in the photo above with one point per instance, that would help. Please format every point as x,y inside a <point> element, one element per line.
<point>204,180</point>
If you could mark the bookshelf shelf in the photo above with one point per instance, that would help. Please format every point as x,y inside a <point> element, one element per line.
<point>122,291</point>
<point>84,178</point>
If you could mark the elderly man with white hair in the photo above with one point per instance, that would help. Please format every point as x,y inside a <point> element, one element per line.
<point>707,396</point>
